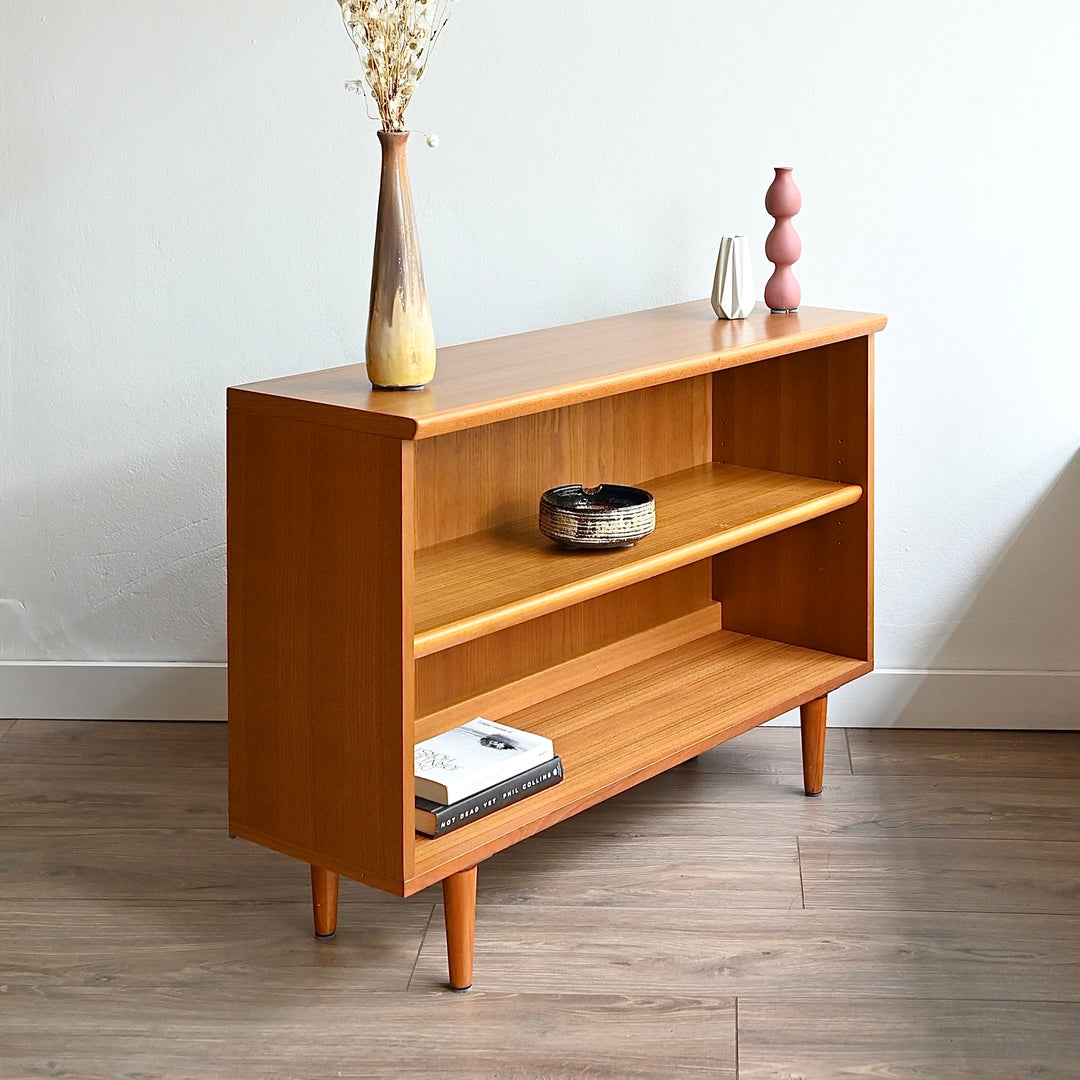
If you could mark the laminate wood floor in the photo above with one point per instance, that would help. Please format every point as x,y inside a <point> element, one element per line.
<point>920,920</point>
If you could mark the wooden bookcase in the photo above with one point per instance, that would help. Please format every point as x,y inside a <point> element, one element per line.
<point>387,580</point>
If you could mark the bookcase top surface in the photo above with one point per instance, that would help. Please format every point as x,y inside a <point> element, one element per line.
<point>483,382</point>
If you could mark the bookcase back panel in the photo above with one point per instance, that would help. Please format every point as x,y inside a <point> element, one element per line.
<point>485,664</point>
<point>482,477</point>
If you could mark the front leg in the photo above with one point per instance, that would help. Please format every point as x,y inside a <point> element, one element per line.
<point>459,907</point>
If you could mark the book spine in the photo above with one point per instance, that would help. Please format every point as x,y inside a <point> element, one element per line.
<point>435,820</point>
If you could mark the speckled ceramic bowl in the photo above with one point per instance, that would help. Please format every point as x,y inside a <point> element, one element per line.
<point>608,516</point>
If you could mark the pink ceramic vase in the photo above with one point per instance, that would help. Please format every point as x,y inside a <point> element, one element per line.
<point>783,246</point>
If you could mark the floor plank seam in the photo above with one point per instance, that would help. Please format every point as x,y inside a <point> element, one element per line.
<point>736,1038</point>
<point>847,744</point>
<point>937,837</point>
<point>122,828</point>
<point>420,948</point>
<point>53,762</point>
<point>802,886</point>
<point>863,996</point>
<point>947,911</point>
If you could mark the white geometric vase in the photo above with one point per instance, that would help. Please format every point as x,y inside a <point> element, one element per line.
<point>733,285</point>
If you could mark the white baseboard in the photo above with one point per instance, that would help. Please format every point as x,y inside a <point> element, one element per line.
<point>990,700</point>
<point>1036,700</point>
<point>112,691</point>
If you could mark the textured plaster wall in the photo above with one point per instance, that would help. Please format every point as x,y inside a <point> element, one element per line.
<point>187,198</point>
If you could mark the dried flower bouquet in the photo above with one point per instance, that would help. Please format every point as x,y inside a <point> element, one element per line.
<point>393,39</point>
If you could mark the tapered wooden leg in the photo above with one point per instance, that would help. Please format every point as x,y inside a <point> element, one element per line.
<point>324,894</point>
<point>812,720</point>
<point>459,905</point>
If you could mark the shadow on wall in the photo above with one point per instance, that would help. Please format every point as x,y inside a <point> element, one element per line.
<point>117,584</point>
<point>123,561</point>
<point>1013,660</point>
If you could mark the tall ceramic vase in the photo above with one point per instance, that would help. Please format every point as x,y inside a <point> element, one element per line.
<point>400,335</point>
<point>783,246</point>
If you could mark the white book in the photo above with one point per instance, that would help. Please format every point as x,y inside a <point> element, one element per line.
<point>459,763</point>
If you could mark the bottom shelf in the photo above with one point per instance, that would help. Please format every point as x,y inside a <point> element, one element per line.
<point>623,728</point>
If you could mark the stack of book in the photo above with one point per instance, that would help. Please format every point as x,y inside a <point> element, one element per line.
<point>476,769</point>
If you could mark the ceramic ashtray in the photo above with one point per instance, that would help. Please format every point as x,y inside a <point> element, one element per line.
<point>606,516</point>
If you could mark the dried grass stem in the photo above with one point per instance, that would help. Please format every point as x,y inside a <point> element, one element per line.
<point>393,39</point>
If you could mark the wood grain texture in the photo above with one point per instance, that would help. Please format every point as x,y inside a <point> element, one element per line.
<point>277,1033</point>
<point>837,1038</point>
<point>901,874</point>
<point>138,952</point>
<point>507,575</point>
<point>150,864</point>
<point>485,477</point>
<point>811,414</point>
<point>114,742</point>
<point>696,798</point>
<point>681,950</point>
<point>965,753</point>
<point>701,870</point>
<point>111,796</point>
<point>771,750</point>
<point>320,686</point>
<point>496,661</point>
<point>197,947</point>
<point>487,382</point>
<point>617,731</point>
<point>502,672</point>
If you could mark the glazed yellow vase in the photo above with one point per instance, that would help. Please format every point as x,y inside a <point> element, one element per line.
<point>400,337</point>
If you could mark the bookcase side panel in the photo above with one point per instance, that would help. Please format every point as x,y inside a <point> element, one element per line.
<point>483,477</point>
<point>808,413</point>
<point>320,626</point>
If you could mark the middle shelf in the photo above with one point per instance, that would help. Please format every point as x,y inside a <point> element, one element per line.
<point>494,579</point>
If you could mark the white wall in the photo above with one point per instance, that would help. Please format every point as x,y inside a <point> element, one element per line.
<point>188,198</point>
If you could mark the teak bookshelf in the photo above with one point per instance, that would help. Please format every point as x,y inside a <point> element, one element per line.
<point>387,580</point>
